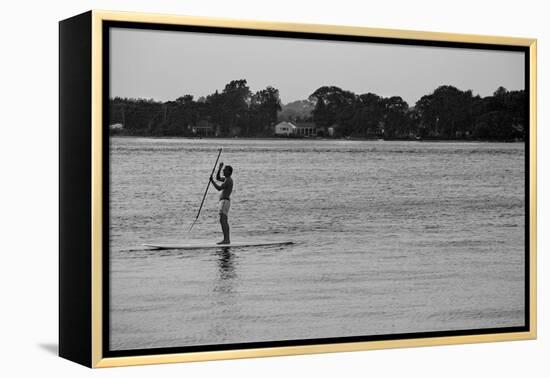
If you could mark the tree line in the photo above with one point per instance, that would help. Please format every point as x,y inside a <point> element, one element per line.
<point>446,113</point>
<point>233,111</point>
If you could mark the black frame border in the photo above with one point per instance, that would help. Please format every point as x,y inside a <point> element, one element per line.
<point>107,25</point>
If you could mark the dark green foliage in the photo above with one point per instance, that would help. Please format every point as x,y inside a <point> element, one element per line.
<point>447,113</point>
<point>451,113</point>
<point>395,117</point>
<point>264,106</point>
<point>234,111</point>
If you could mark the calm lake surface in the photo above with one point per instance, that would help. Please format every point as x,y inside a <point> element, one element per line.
<point>390,237</point>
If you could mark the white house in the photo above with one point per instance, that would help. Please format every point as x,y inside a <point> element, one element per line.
<point>285,128</point>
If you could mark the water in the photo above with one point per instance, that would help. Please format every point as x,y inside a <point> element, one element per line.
<point>390,237</point>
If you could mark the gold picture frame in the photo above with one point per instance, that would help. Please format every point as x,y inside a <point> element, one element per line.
<point>84,256</point>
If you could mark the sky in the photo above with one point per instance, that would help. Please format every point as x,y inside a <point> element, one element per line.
<point>164,65</point>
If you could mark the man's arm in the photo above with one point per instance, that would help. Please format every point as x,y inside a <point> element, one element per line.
<point>218,177</point>
<point>218,187</point>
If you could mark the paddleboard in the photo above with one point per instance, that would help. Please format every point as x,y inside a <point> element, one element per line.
<point>214,245</point>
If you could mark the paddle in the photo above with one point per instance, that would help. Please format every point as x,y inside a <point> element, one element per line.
<point>206,191</point>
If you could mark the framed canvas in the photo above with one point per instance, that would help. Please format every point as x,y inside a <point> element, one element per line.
<point>234,189</point>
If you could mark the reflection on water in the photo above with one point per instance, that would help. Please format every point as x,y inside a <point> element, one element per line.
<point>226,268</point>
<point>390,237</point>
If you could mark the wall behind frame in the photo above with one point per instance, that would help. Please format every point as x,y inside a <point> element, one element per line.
<point>29,153</point>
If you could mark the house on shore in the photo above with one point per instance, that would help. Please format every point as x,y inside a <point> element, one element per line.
<point>332,130</point>
<point>306,129</point>
<point>204,128</point>
<point>285,129</point>
<point>298,129</point>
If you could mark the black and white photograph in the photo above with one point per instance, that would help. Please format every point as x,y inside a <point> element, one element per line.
<point>285,188</point>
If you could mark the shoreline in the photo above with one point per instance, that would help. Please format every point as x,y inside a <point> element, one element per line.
<point>430,140</point>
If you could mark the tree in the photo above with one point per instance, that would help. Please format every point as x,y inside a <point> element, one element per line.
<point>330,105</point>
<point>264,106</point>
<point>235,100</point>
<point>447,112</point>
<point>503,116</point>
<point>370,116</point>
<point>396,120</point>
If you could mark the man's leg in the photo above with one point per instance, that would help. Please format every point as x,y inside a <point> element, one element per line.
<point>225,229</point>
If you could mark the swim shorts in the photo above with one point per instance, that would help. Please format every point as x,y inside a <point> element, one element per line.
<point>224,205</point>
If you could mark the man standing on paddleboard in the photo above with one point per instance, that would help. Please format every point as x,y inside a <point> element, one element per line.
<point>226,188</point>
